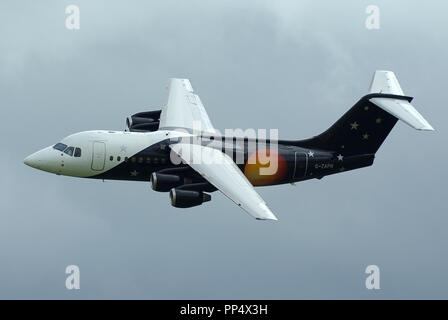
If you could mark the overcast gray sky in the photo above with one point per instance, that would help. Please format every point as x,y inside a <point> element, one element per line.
<point>292,65</point>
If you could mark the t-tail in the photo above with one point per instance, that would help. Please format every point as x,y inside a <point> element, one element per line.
<point>362,129</point>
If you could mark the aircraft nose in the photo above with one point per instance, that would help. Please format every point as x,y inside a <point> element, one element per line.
<point>43,160</point>
<point>33,160</point>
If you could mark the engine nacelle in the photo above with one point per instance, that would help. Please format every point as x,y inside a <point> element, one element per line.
<point>143,121</point>
<point>144,127</point>
<point>187,198</point>
<point>165,182</point>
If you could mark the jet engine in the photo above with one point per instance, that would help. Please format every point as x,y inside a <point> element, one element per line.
<point>165,182</point>
<point>188,198</point>
<point>143,121</point>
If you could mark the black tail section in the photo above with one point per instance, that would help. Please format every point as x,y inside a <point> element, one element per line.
<point>361,130</point>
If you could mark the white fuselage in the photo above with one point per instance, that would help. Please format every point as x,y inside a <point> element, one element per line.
<point>101,151</point>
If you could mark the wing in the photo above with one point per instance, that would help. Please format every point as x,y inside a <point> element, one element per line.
<point>184,109</point>
<point>220,170</point>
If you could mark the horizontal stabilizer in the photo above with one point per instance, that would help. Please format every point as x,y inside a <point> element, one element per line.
<point>404,111</point>
<point>385,82</point>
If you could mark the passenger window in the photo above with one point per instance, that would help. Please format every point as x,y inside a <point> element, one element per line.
<point>140,160</point>
<point>69,151</point>
<point>77,152</point>
<point>133,159</point>
<point>118,158</point>
<point>111,158</point>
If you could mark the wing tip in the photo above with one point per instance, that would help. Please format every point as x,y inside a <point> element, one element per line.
<point>427,127</point>
<point>274,218</point>
<point>267,213</point>
<point>184,82</point>
<point>267,219</point>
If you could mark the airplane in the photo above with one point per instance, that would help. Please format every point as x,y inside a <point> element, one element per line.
<point>144,150</point>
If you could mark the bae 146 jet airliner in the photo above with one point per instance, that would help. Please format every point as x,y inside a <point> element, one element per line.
<point>144,151</point>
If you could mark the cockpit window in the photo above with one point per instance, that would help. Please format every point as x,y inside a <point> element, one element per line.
<point>60,146</point>
<point>77,152</point>
<point>69,151</point>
